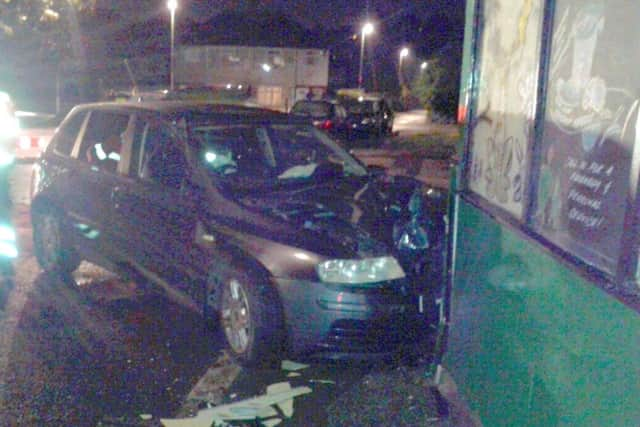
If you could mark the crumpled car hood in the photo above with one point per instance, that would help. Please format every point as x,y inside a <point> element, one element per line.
<point>346,218</point>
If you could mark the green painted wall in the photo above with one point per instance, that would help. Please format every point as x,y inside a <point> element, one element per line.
<point>530,342</point>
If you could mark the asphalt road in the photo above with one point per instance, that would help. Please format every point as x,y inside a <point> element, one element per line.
<point>96,350</point>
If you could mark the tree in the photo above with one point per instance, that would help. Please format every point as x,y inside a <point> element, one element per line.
<point>42,29</point>
<point>437,85</point>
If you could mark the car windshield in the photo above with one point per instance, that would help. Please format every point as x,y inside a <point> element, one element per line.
<point>265,154</point>
<point>313,109</point>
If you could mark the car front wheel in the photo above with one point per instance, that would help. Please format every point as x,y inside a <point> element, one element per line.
<point>251,319</point>
<point>52,248</point>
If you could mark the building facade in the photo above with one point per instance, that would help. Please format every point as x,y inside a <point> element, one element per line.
<point>274,77</point>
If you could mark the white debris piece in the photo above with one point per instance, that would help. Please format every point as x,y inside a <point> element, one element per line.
<point>288,365</point>
<point>293,374</point>
<point>322,381</point>
<point>272,422</point>
<point>280,394</point>
<point>146,417</point>
<point>285,406</point>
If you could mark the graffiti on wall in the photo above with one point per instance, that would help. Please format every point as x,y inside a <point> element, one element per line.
<point>503,119</point>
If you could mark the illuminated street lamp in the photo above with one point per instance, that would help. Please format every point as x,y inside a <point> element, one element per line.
<point>404,90</point>
<point>404,52</point>
<point>367,29</point>
<point>424,66</point>
<point>172,5</point>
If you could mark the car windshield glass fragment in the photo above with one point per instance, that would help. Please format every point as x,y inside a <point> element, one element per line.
<point>270,153</point>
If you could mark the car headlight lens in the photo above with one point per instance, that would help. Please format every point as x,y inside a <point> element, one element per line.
<point>8,242</point>
<point>9,126</point>
<point>6,158</point>
<point>360,271</point>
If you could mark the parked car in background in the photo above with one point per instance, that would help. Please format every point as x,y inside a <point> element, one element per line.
<point>370,115</point>
<point>36,130</point>
<point>330,116</point>
<point>249,216</point>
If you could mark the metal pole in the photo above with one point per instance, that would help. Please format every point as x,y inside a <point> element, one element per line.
<point>361,59</point>
<point>171,69</point>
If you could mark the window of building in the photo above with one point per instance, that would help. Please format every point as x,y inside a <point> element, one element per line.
<point>503,119</point>
<point>589,151</point>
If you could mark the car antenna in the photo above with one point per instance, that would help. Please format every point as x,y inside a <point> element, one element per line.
<point>134,89</point>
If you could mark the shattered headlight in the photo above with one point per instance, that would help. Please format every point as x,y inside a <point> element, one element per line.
<point>8,246</point>
<point>360,271</point>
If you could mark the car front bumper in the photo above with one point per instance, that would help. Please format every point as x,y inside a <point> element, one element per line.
<point>351,322</point>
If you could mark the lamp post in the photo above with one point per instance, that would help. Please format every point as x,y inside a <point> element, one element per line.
<point>367,29</point>
<point>404,90</point>
<point>172,5</point>
<point>404,52</point>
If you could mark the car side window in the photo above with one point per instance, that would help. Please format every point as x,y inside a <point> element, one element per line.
<point>67,135</point>
<point>103,140</point>
<point>161,159</point>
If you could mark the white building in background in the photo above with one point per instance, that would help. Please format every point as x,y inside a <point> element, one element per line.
<point>275,77</point>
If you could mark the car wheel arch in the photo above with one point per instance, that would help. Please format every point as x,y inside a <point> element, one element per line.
<point>239,267</point>
<point>232,258</point>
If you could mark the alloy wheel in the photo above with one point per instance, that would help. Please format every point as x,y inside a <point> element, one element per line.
<point>236,319</point>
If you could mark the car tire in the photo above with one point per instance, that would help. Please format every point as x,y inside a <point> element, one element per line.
<point>251,319</point>
<point>51,244</point>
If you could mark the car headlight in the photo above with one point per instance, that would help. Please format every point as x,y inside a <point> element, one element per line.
<point>6,158</point>
<point>8,246</point>
<point>360,271</point>
<point>9,126</point>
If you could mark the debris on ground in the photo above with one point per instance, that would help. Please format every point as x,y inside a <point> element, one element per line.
<point>214,384</point>
<point>401,397</point>
<point>288,365</point>
<point>263,408</point>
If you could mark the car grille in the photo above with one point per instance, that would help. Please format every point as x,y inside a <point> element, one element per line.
<point>359,336</point>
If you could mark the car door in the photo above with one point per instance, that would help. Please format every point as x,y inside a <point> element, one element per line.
<point>89,191</point>
<point>158,212</point>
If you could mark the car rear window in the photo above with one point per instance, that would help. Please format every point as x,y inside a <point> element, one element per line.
<point>362,107</point>
<point>313,109</point>
<point>68,133</point>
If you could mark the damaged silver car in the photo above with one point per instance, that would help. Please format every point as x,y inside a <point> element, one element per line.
<point>259,221</point>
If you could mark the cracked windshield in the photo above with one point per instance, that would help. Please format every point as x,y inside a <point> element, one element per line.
<point>271,153</point>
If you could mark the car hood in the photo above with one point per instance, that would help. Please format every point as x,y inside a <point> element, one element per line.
<point>350,217</point>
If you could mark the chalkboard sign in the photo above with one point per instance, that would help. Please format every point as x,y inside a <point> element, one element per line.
<point>590,129</point>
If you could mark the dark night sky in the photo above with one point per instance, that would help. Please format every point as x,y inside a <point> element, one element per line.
<point>332,13</point>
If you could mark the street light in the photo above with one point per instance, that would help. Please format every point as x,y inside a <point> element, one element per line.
<point>424,66</point>
<point>172,5</point>
<point>404,52</point>
<point>367,29</point>
<point>404,90</point>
